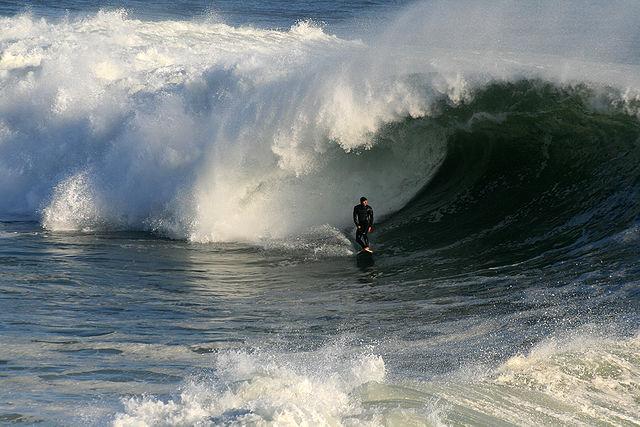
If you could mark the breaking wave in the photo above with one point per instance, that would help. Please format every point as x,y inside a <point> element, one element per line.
<point>203,131</point>
<point>577,378</point>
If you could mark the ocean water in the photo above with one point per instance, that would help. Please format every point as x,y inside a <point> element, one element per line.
<point>176,185</point>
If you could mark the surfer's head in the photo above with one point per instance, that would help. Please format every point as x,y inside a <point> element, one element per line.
<point>364,201</point>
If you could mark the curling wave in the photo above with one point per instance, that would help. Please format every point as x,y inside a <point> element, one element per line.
<point>531,168</point>
<point>217,133</point>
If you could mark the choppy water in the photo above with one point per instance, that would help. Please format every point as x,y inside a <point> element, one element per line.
<point>176,183</point>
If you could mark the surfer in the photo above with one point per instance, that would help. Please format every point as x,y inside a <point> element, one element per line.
<point>363,218</point>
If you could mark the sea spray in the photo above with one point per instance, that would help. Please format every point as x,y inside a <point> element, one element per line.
<point>213,132</point>
<point>199,133</point>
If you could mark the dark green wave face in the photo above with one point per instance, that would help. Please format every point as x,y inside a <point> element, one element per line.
<point>533,172</point>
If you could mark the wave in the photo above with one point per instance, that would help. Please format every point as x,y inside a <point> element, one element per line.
<point>208,132</point>
<point>263,388</point>
<point>581,377</point>
<point>577,378</point>
<point>531,168</point>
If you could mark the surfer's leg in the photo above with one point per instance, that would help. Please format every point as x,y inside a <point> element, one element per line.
<point>364,236</point>
<point>365,239</point>
<point>359,236</point>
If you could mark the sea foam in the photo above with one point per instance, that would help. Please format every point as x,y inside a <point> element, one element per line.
<point>264,388</point>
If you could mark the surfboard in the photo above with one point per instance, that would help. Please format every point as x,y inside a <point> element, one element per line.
<point>364,259</point>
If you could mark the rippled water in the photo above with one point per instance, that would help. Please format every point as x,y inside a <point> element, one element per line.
<point>89,320</point>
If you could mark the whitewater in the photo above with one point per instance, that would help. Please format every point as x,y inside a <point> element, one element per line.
<point>195,134</point>
<point>198,129</point>
<point>176,183</point>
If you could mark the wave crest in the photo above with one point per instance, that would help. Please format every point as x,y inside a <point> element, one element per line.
<point>212,132</point>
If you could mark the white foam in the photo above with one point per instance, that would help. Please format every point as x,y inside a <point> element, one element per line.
<point>264,389</point>
<point>75,205</point>
<point>208,132</point>
<point>578,378</point>
<point>596,375</point>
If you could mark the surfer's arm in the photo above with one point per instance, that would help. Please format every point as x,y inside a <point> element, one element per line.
<point>355,217</point>
<point>370,217</point>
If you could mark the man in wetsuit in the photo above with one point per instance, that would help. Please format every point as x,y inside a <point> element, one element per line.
<point>363,218</point>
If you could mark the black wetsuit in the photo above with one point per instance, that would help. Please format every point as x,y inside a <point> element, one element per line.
<point>363,218</point>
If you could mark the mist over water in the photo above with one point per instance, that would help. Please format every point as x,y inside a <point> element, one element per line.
<point>176,183</point>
